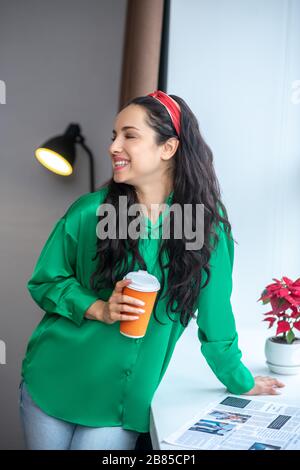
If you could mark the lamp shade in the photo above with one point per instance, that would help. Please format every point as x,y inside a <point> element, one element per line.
<point>58,153</point>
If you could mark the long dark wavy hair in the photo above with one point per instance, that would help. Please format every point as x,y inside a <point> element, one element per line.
<point>194,182</point>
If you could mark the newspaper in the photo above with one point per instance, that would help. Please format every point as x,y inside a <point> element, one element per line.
<point>241,424</point>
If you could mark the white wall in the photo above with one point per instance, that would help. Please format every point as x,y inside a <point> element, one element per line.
<point>235,62</point>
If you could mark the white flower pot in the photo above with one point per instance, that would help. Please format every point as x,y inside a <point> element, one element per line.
<point>283,358</point>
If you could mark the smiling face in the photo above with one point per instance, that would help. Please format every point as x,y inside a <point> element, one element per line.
<point>142,161</point>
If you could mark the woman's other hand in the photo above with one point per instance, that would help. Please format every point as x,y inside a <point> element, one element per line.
<point>265,385</point>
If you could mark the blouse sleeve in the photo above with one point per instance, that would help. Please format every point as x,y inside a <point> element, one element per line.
<point>53,285</point>
<point>216,324</point>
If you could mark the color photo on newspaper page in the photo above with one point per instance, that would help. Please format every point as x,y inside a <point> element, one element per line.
<point>241,424</point>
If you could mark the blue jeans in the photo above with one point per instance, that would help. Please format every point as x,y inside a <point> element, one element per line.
<point>44,432</point>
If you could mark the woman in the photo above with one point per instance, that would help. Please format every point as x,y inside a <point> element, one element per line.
<point>86,386</point>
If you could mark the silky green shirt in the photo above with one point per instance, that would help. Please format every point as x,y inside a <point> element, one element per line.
<point>86,372</point>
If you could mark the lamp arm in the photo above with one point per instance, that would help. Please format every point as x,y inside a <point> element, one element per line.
<point>80,140</point>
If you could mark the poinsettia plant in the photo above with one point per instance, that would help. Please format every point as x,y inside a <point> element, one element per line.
<point>284,297</point>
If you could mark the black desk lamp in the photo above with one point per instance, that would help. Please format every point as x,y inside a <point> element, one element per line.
<point>58,154</point>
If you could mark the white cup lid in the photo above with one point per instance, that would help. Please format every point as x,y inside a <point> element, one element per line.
<point>143,281</point>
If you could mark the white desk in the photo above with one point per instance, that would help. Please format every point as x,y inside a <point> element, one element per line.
<point>189,384</point>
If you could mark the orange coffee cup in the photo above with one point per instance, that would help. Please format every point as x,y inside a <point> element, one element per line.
<point>143,286</point>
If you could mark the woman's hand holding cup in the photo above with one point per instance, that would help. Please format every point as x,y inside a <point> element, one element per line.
<point>112,311</point>
<point>118,303</point>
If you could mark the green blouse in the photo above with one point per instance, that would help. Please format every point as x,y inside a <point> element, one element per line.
<point>86,372</point>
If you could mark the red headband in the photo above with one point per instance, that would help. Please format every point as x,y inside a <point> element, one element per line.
<point>171,106</point>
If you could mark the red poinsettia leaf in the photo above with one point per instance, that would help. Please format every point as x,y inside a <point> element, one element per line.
<point>282,327</point>
<point>274,284</point>
<point>297,325</point>
<point>271,321</point>
<point>283,292</point>
<point>295,290</point>
<point>287,280</point>
<point>263,295</point>
<point>280,305</point>
<point>295,313</point>
<point>274,303</point>
<point>265,300</point>
<point>271,288</point>
<point>297,282</point>
<point>292,301</point>
<point>295,295</point>
<point>296,299</point>
<point>283,304</point>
